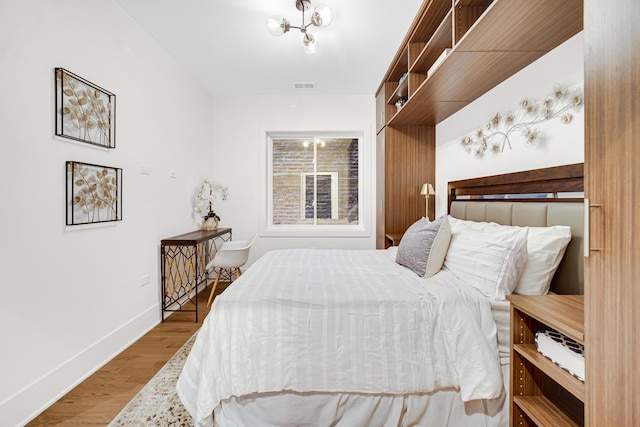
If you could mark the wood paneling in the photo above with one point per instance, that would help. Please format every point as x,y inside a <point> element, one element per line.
<point>381,241</point>
<point>566,178</point>
<point>465,76</point>
<point>381,103</point>
<point>521,26</point>
<point>409,163</point>
<point>612,181</point>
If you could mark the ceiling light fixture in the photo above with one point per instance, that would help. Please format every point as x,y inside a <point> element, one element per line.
<point>321,17</point>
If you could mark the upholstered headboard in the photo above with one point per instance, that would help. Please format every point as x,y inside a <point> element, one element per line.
<point>467,201</point>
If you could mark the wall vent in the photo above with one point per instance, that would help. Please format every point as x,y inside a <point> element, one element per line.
<point>304,85</point>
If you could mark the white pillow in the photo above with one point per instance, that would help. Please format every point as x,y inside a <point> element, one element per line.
<point>488,256</point>
<point>423,246</point>
<point>545,247</point>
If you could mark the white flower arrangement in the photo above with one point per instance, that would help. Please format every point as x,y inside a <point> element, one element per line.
<point>207,192</point>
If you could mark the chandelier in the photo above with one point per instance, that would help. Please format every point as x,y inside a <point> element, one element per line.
<point>321,17</point>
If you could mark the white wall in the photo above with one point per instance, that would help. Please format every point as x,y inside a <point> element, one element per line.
<point>563,144</point>
<point>71,296</point>
<point>241,124</point>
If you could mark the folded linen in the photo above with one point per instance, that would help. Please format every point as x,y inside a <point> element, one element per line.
<point>563,351</point>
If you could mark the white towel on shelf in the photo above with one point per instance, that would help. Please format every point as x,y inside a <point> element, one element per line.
<point>563,351</point>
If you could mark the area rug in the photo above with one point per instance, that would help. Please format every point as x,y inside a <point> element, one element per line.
<point>158,404</point>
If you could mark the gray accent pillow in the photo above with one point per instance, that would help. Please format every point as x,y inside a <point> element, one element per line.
<point>424,245</point>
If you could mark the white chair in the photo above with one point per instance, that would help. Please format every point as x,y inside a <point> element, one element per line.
<point>231,255</point>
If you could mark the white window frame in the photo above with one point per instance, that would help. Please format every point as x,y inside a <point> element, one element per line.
<point>266,226</point>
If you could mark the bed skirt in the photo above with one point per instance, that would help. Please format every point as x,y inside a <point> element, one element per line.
<point>441,408</point>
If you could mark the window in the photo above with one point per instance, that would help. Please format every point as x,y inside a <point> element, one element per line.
<point>314,184</point>
<point>324,186</point>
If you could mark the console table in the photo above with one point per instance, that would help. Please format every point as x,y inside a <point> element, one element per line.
<point>183,260</point>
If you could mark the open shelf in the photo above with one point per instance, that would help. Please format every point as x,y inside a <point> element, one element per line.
<point>440,41</point>
<point>559,375</point>
<point>542,412</point>
<point>523,26</point>
<point>542,393</point>
<point>502,38</point>
<point>402,91</point>
<point>565,314</point>
<point>394,87</point>
<point>466,13</point>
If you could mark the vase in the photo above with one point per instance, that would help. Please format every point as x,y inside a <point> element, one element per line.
<point>209,224</point>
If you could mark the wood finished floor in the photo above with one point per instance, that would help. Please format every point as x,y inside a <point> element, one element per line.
<point>98,399</point>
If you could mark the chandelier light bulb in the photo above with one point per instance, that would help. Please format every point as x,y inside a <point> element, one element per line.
<point>322,15</point>
<point>277,25</point>
<point>310,44</point>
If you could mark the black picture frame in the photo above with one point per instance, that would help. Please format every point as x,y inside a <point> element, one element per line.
<point>84,111</point>
<point>93,193</point>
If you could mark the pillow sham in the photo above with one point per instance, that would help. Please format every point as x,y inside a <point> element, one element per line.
<point>424,245</point>
<point>545,248</point>
<point>488,256</point>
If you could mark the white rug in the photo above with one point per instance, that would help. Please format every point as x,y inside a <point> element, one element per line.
<point>157,404</point>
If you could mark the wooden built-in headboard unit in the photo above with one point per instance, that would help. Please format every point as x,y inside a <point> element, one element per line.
<point>478,199</point>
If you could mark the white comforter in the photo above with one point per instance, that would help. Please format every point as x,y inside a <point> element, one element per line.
<point>341,321</point>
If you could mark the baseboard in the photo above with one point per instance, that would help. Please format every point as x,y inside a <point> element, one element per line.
<point>28,403</point>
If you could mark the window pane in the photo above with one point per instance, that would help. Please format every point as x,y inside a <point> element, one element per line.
<point>292,159</point>
<point>323,191</point>
<point>315,181</point>
<point>338,158</point>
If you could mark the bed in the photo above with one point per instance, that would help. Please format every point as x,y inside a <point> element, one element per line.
<point>313,337</point>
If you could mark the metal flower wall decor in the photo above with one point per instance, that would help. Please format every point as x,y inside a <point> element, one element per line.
<point>94,193</point>
<point>496,135</point>
<point>84,111</point>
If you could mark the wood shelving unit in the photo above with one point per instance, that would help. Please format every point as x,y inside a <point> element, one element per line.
<point>486,42</point>
<point>490,40</point>
<point>541,393</point>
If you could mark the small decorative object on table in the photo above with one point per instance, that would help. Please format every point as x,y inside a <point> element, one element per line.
<point>206,193</point>
<point>210,223</point>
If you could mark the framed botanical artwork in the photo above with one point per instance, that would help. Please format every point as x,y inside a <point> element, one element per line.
<point>94,193</point>
<point>84,111</point>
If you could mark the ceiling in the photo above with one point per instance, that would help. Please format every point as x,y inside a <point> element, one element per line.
<point>226,46</point>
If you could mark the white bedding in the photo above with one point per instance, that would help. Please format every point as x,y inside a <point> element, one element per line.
<point>501,311</point>
<point>312,409</point>
<point>341,321</point>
